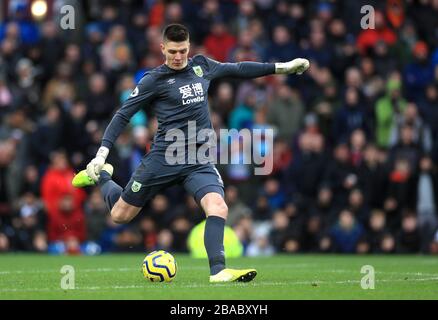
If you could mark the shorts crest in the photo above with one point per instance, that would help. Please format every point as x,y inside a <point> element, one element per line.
<point>136,186</point>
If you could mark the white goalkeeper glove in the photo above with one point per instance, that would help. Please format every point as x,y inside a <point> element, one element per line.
<point>96,165</point>
<point>297,66</point>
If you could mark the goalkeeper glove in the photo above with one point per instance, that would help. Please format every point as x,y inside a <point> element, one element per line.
<point>297,66</point>
<point>96,165</point>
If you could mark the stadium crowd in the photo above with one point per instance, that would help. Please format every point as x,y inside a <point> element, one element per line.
<point>355,152</point>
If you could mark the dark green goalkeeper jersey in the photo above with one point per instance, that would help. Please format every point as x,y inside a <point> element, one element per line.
<point>179,97</point>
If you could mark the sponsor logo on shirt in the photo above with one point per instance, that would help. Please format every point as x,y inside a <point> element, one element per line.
<point>192,93</point>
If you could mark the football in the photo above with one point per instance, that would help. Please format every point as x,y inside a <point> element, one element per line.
<point>159,266</point>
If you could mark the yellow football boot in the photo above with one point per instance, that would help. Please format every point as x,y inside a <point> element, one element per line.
<point>82,179</point>
<point>230,275</point>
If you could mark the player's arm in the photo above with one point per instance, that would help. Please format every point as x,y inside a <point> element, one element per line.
<point>249,69</point>
<point>142,95</point>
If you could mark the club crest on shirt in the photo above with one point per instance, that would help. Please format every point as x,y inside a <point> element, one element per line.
<point>136,186</point>
<point>198,71</point>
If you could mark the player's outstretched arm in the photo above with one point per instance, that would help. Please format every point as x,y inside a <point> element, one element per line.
<point>249,69</point>
<point>142,95</point>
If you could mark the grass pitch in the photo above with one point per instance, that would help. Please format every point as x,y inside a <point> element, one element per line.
<point>118,276</point>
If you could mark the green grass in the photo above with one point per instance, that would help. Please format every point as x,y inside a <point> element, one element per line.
<point>118,276</point>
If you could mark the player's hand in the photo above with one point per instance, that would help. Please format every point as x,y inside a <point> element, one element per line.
<point>96,165</point>
<point>297,66</point>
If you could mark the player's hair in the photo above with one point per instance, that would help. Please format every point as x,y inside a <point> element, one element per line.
<point>175,32</point>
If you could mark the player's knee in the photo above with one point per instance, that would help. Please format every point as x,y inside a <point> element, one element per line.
<point>218,209</point>
<point>120,216</point>
<point>223,210</point>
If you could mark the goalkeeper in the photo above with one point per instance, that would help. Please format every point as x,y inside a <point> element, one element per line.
<point>177,90</point>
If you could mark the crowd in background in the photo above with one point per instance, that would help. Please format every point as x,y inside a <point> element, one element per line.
<point>355,152</point>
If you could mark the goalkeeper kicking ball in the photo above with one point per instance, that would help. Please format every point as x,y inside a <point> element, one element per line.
<point>159,266</point>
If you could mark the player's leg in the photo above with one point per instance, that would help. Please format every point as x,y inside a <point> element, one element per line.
<point>206,185</point>
<point>125,204</point>
<point>216,211</point>
<point>120,210</point>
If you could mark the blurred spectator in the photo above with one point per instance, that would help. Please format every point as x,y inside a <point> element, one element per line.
<point>406,148</point>
<point>373,83</point>
<point>281,231</point>
<point>6,97</point>
<point>388,108</point>
<point>243,115</point>
<point>340,175</point>
<point>259,245</point>
<point>99,101</point>
<point>236,208</point>
<point>243,229</point>
<point>325,106</point>
<point>421,132</point>
<point>260,89</point>
<point>29,226</point>
<point>47,136</point>
<point>308,161</point>
<point>387,245</point>
<point>349,117</point>
<point>7,177</point>
<point>419,73</point>
<point>281,48</point>
<point>26,87</point>
<point>372,177</point>
<point>429,113</point>
<point>223,101</point>
<point>274,194</point>
<point>286,112</point>
<point>346,233</point>
<point>357,147</point>
<point>368,38</point>
<point>426,207</point>
<point>312,234</point>
<point>219,42</point>
<point>408,238</point>
<point>377,230</point>
<point>261,210</point>
<point>401,191</point>
<point>204,18</point>
<point>60,89</point>
<point>96,214</point>
<point>180,228</point>
<point>319,50</point>
<point>246,48</point>
<point>323,209</point>
<point>281,158</point>
<point>63,204</point>
<point>357,205</point>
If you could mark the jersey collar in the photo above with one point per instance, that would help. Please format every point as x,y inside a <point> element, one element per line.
<point>188,66</point>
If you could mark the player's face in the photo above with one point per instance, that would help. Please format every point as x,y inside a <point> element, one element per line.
<point>176,54</point>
